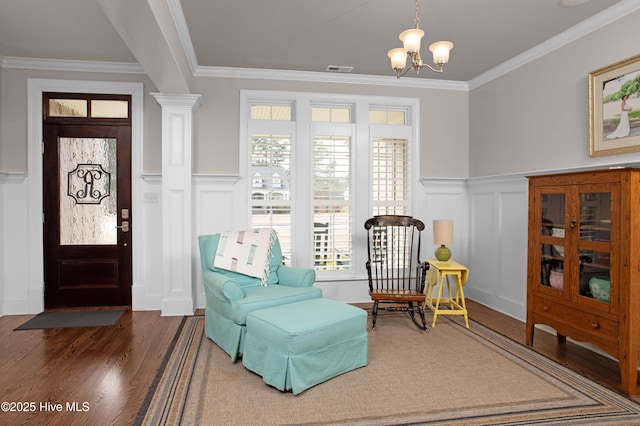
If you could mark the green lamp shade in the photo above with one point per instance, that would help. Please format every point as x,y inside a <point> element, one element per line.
<point>443,253</point>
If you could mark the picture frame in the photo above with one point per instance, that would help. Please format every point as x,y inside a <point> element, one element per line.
<point>614,108</point>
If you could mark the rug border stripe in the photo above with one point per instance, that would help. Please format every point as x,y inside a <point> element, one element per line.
<point>142,412</point>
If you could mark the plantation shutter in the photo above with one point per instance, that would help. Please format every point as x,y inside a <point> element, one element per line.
<point>390,184</point>
<point>332,181</point>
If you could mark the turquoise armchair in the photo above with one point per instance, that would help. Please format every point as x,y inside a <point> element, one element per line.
<point>230,296</point>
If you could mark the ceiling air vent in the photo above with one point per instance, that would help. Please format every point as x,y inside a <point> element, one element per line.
<point>338,68</point>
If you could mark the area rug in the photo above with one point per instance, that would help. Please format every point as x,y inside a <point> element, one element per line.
<point>448,375</point>
<point>72,319</point>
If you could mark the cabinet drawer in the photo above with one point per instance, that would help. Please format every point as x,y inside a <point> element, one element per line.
<point>562,317</point>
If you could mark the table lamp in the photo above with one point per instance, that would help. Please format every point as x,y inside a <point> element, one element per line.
<point>443,234</point>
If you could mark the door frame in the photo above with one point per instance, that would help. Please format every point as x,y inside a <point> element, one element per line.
<point>35,90</point>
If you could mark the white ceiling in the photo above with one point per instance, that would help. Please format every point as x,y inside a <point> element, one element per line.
<point>301,35</point>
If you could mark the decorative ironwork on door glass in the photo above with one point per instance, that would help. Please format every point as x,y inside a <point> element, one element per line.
<point>89,183</point>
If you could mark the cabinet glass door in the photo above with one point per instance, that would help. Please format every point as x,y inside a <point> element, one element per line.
<point>594,245</point>
<point>552,240</point>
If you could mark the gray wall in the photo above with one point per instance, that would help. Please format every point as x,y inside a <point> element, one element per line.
<point>444,122</point>
<point>13,115</point>
<point>536,118</point>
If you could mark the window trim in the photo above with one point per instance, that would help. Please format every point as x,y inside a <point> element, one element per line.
<point>302,102</point>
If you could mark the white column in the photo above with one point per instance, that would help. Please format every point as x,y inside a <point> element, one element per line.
<point>177,142</point>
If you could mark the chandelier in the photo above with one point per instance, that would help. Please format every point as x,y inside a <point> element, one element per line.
<point>411,50</point>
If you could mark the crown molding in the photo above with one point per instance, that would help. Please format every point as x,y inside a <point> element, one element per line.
<point>324,77</point>
<point>68,65</point>
<point>607,16</point>
<point>179,20</point>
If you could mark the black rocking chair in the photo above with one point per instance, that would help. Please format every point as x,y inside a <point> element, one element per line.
<point>396,274</point>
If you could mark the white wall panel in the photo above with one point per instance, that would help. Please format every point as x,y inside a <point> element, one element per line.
<point>15,287</point>
<point>3,239</point>
<point>483,246</point>
<point>513,250</point>
<point>147,287</point>
<point>498,244</point>
<point>217,203</point>
<point>445,199</point>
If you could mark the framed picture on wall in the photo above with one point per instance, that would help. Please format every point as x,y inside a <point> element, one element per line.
<point>614,108</point>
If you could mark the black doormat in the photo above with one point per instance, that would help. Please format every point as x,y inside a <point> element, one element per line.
<point>72,319</point>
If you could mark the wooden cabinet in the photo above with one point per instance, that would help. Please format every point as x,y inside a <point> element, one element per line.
<point>584,261</point>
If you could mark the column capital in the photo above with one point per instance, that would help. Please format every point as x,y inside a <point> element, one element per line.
<point>192,101</point>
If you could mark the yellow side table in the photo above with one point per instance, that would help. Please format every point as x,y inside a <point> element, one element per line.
<point>439,273</point>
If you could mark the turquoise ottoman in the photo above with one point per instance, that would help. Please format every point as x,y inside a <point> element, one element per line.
<point>299,345</point>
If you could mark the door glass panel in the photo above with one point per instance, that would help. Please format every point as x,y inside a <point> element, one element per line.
<point>595,227</point>
<point>594,275</point>
<point>109,109</point>
<point>67,107</point>
<point>595,216</point>
<point>88,199</point>
<point>552,249</point>
<point>552,213</point>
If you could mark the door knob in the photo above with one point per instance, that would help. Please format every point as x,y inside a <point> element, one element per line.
<point>124,226</point>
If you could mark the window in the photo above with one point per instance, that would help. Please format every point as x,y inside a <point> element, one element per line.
<point>332,202</point>
<point>319,166</point>
<point>75,105</point>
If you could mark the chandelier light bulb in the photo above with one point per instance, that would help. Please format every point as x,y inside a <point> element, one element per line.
<point>440,50</point>
<point>398,58</point>
<point>411,39</point>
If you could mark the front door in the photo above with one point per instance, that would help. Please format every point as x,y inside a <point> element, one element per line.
<point>87,200</point>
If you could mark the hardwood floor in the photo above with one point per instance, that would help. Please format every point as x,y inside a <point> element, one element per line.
<point>107,371</point>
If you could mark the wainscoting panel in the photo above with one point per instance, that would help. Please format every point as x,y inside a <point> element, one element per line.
<point>513,248</point>
<point>147,287</point>
<point>15,263</point>
<point>445,199</point>
<point>218,207</point>
<point>490,237</point>
<point>498,244</point>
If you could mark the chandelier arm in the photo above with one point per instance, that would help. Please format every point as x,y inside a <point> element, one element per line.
<point>440,68</point>
<point>401,72</point>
